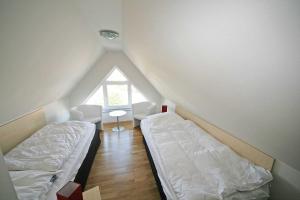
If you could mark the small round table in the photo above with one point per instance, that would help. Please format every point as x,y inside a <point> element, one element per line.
<point>117,113</point>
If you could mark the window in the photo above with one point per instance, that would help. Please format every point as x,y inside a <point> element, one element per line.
<point>117,95</point>
<point>96,98</point>
<point>116,92</point>
<point>137,96</point>
<point>116,75</point>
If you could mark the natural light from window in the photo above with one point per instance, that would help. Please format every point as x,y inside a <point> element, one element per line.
<point>137,96</point>
<point>116,92</point>
<point>116,76</point>
<point>117,95</point>
<point>96,98</point>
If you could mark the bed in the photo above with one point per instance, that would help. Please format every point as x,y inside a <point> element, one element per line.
<point>78,165</point>
<point>188,163</point>
<point>72,146</point>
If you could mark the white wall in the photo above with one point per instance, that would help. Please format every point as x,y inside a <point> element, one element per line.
<point>57,111</point>
<point>104,65</point>
<point>234,63</point>
<point>7,190</point>
<point>171,105</point>
<point>286,184</point>
<point>45,48</point>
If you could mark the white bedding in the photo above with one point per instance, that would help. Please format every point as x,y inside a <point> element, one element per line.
<point>31,184</point>
<point>35,184</point>
<point>48,148</point>
<point>71,166</point>
<point>192,165</point>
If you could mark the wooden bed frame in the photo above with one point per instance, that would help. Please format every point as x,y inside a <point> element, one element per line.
<point>242,148</point>
<point>14,132</point>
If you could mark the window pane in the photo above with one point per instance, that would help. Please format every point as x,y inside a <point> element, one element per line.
<point>117,95</point>
<point>96,98</point>
<point>137,97</point>
<point>116,75</point>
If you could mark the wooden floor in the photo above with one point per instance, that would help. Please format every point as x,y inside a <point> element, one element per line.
<point>121,168</point>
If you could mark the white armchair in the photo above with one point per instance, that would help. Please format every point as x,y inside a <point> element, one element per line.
<point>90,113</point>
<point>141,111</point>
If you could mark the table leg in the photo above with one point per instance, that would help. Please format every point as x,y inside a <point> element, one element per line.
<point>118,128</point>
<point>118,123</point>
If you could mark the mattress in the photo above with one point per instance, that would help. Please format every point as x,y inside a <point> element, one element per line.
<point>71,166</point>
<point>145,126</point>
<point>37,152</point>
<point>170,186</point>
<point>40,183</point>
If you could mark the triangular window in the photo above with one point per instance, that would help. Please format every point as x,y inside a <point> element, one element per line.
<point>116,75</point>
<point>116,91</point>
<point>96,98</point>
<point>137,96</point>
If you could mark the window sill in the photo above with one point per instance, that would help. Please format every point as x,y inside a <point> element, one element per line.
<point>107,110</point>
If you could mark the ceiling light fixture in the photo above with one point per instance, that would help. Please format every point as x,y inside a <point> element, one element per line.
<point>109,34</point>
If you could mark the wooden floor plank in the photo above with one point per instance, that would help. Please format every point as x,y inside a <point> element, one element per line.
<point>121,168</point>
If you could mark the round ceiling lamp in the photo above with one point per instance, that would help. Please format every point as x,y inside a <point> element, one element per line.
<point>109,34</point>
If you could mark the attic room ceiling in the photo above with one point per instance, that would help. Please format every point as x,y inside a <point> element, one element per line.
<point>104,15</point>
<point>46,47</point>
<point>234,64</point>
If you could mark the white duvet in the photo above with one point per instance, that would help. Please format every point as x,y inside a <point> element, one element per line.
<point>31,184</point>
<point>48,148</point>
<point>196,165</point>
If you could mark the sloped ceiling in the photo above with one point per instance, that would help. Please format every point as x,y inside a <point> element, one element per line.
<point>104,14</point>
<point>234,63</point>
<point>45,48</point>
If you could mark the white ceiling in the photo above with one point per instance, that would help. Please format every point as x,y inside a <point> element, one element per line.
<point>46,47</point>
<point>235,64</point>
<point>104,14</point>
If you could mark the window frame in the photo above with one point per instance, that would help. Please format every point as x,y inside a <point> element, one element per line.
<point>105,93</point>
<point>104,83</point>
